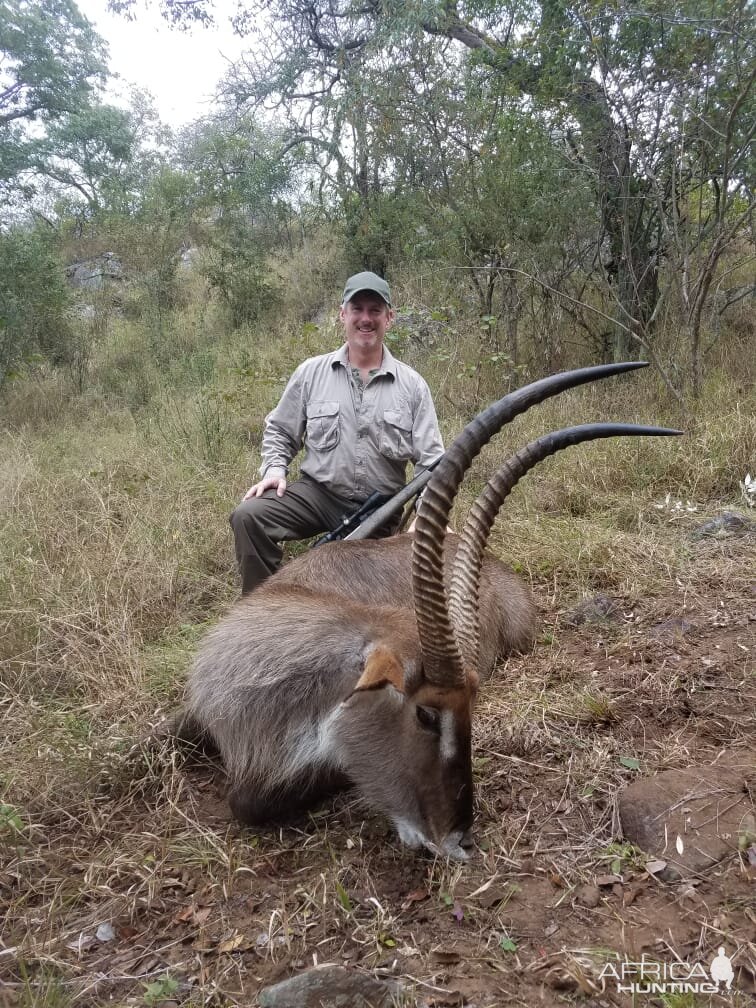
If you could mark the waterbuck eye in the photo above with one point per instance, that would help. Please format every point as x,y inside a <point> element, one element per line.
<point>429,718</point>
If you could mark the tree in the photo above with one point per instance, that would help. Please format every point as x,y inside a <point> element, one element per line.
<point>89,152</point>
<point>653,103</point>
<point>617,80</point>
<point>51,62</point>
<point>241,180</point>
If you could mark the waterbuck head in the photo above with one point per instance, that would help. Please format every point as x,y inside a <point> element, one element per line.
<point>405,731</point>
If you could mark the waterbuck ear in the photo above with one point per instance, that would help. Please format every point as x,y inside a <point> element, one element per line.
<point>382,668</point>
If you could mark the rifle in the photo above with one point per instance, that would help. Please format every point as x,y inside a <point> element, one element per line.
<point>350,522</point>
<point>377,510</point>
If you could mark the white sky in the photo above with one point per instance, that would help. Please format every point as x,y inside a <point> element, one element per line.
<point>179,68</point>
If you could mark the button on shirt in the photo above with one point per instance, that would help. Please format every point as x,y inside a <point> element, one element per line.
<point>356,440</point>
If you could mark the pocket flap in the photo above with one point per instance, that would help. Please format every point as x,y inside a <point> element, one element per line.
<point>398,418</point>
<point>324,408</point>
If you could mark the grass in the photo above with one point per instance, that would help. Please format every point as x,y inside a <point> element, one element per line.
<point>115,556</point>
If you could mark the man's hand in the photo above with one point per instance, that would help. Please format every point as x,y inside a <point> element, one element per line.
<point>277,483</point>
<point>414,522</point>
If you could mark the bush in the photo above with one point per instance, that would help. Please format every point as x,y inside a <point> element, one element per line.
<point>34,304</point>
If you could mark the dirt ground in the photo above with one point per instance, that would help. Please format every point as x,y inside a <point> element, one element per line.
<point>201,911</point>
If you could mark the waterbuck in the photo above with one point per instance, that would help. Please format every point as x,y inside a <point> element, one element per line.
<point>337,673</point>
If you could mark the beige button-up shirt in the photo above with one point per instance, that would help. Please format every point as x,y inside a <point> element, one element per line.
<point>353,445</point>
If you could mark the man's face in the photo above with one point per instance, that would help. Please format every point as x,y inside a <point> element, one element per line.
<point>366,318</point>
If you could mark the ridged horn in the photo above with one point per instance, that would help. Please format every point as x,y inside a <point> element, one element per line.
<point>442,662</point>
<point>465,579</point>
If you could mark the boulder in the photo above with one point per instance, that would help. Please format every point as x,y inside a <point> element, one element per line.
<point>331,987</point>
<point>691,819</point>
<point>598,609</point>
<point>727,525</point>
<point>94,273</point>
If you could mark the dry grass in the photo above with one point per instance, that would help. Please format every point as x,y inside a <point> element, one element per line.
<point>115,555</point>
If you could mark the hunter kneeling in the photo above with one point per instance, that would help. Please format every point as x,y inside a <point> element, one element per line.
<point>361,416</point>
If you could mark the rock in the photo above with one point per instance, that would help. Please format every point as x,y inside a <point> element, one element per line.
<point>727,525</point>
<point>105,932</point>
<point>691,819</point>
<point>331,987</point>
<point>94,273</point>
<point>673,628</point>
<point>588,896</point>
<point>593,610</point>
<point>189,258</point>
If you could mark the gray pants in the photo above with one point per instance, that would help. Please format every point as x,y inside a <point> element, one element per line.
<point>261,524</point>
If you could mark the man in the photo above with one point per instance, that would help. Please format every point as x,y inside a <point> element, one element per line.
<point>362,416</point>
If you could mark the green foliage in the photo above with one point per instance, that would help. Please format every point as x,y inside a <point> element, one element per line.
<point>241,181</point>
<point>51,59</point>
<point>34,302</point>
<point>11,823</point>
<point>572,176</point>
<point>160,990</point>
<point>561,153</point>
<point>88,151</point>
<point>50,63</point>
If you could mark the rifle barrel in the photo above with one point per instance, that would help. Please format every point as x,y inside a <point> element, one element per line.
<point>365,529</point>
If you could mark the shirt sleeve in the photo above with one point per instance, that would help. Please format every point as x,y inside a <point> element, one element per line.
<point>283,434</point>
<point>427,445</point>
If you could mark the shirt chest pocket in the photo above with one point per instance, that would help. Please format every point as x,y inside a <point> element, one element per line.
<point>396,435</point>
<point>322,425</point>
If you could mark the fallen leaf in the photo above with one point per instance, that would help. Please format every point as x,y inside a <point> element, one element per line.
<point>105,933</point>
<point>679,844</point>
<point>752,855</point>
<point>192,914</point>
<point>483,888</point>
<point>236,943</point>
<point>82,943</point>
<point>204,944</point>
<point>630,762</point>
<point>607,880</point>
<point>174,883</point>
<point>416,896</point>
<point>496,895</point>
<point>654,867</point>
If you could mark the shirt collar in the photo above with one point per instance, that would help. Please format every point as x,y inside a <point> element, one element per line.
<point>388,364</point>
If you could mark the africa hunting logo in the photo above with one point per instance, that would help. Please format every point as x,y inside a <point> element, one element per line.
<point>671,978</point>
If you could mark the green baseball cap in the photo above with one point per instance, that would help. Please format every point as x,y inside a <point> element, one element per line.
<point>366,282</point>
